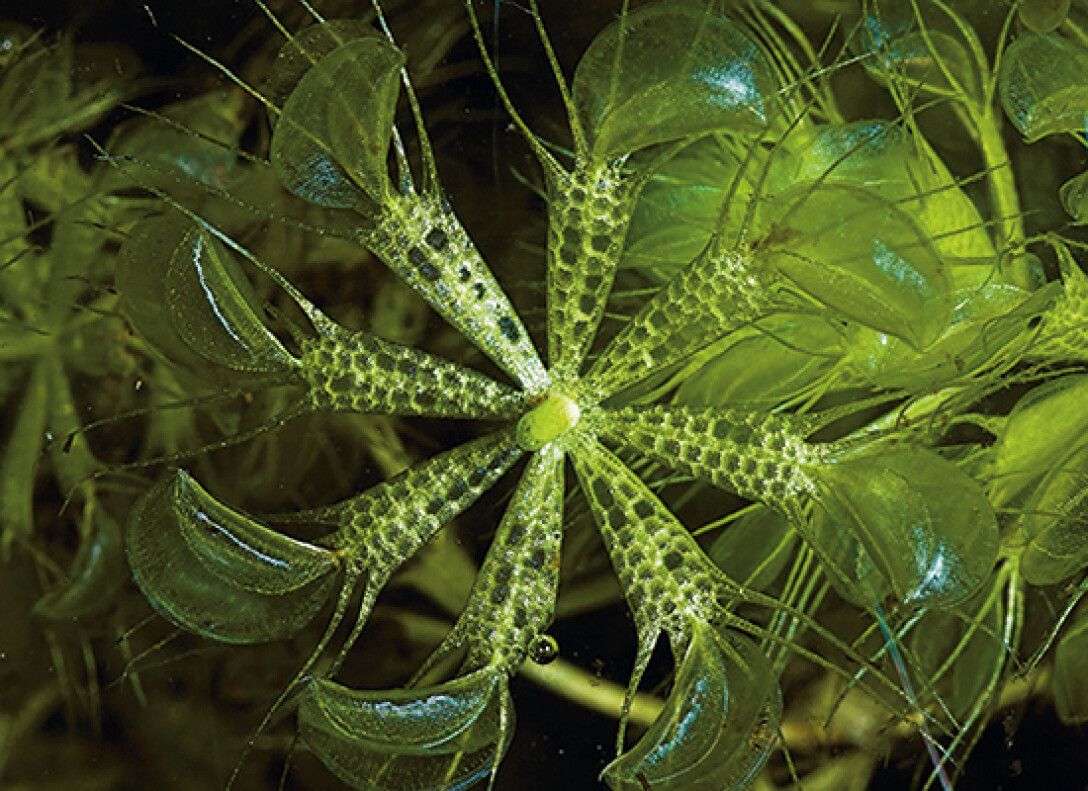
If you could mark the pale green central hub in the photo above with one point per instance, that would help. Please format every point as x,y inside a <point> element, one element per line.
<point>547,421</point>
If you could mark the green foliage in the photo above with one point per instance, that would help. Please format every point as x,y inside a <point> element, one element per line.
<point>705,736</point>
<point>666,72</point>
<point>448,736</point>
<point>1070,694</point>
<point>327,151</point>
<point>931,549</point>
<point>824,334</point>
<point>190,555</point>
<point>1042,88</point>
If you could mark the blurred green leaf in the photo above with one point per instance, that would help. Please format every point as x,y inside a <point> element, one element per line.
<point>754,549</point>
<point>926,525</point>
<point>331,141</point>
<point>19,464</point>
<point>887,160</point>
<point>1033,440</point>
<point>196,137</point>
<point>1071,673</point>
<point>1055,519</point>
<point>862,256</point>
<point>1074,197</point>
<point>668,71</point>
<point>964,645</point>
<point>903,49</point>
<point>984,321</point>
<point>1042,85</point>
<point>1043,16</point>
<point>765,366</point>
<point>679,208</point>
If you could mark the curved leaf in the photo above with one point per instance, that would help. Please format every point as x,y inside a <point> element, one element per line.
<point>332,138</point>
<point>925,525</point>
<point>1042,85</point>
<point>241,551</point>
<point>97,574</point>
<point>305,49</point>
<point>139,280</point>
<point>1074,196</point>
<point>632,89</point>
<point>216,310</point>
<point>1043,16</point>
<point>898,51</point>
<point>1056,519</point>
<point>1071,674</point>
<point>1033,441</point>
<point>219,574</point>
<point>859,254</point>
<point>888,160</point>
<point>717,727</point>
<point>187,297</point>
<point>447,737</point>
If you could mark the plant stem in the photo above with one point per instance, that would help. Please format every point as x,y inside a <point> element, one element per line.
<point>586,689</point>
<point>1003,195</point>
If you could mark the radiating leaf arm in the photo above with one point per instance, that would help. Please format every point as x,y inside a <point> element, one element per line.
<point>758,456</point>
<point>387,524</point>
<point>589,211</point>
<point>714,295</point>
<point>361,372</point>
<point>644,539</point>
<point>513,598</point>
<point>718,726</point>
<point>422,241</point>
<point>708,735</point>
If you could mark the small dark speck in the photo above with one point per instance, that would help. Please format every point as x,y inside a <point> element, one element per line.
<point>508,328</point>
<point>420,262</point>
<point>437,238</point>
<point>464,274</point>
<point>479,289</point>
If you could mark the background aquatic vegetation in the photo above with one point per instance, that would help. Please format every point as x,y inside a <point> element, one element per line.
<point>957,350</point>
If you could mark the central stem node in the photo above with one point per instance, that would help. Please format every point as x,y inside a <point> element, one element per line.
<point>549,419</point>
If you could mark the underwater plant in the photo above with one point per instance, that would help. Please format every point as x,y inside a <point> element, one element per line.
<point>804,371</point>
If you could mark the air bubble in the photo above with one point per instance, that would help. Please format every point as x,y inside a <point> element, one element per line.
<point>544,649</point>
